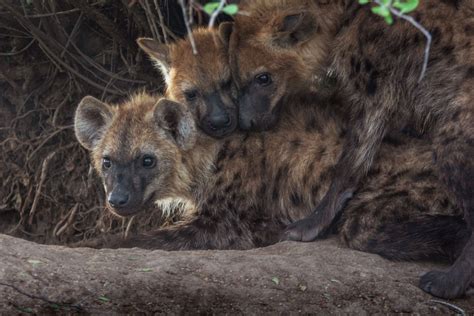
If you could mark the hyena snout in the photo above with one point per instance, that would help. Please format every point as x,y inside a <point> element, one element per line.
<point>118,199</point>
<point>220,120</point>
<point>124,201</point>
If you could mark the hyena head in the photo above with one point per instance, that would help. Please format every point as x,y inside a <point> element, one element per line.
<point>202,81</point>
<point>137,149</point>
<point>275,51</point>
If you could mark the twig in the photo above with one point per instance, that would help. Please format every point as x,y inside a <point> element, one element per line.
<point>150,16</point>
<point>214,14</point>
<point>60,12</point>
<point>188,27</point>
<point>44,170</point>
<point>420,27</point>
<point>66,221</point>
<point>162,22</point>
<point>129,225</point>
<point>453,307</point>
<point>19,51</point>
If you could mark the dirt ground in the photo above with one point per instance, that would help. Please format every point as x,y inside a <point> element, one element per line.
<point>319,277</point>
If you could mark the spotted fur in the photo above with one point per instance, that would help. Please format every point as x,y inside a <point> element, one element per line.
<point>245,189</point>
<point>377,67</point>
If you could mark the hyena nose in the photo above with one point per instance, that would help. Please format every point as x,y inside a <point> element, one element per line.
<point>118,199</point>
<point>220,121</point>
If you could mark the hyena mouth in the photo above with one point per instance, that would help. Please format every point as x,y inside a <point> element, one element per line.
<point>221,130</point>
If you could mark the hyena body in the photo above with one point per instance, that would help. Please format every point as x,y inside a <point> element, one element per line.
<point>281,47</point>
<point>247,188</point>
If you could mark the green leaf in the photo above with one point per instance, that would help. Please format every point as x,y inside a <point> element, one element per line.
<point>276,280</point>
<point>55,306</point>
<point>363,1</point>
<point>231,9</point>
<point>382,11</point>
<point>34,262</point>
<point>145,270</point>
<point>406,6</point>
<point>103,299</point>
<point>389,19</point>
<point>25,309</point>
<point>210,7</point>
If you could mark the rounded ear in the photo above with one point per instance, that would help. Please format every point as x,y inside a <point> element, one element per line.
<point>159,53</point>
<point>294,28</point>
<point>90,120</point>
<point>225,30</point>
<point>177,121</point>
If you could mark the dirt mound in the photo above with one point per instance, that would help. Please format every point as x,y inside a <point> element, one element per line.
<point>318,277</point>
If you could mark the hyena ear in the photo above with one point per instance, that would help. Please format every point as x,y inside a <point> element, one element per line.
<point>225,30</point>
<point>177,121</point>
<point>292,29</point>
<point>159,53</point>
<point>91,118</point>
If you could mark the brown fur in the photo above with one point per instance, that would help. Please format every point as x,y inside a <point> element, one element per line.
<point>377,66</point>
<point>246,188</point>
<point>207,90</point>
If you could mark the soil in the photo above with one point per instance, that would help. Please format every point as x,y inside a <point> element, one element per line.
<point>318,277</point>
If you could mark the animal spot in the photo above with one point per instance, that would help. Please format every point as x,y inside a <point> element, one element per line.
<point>368,65</point>
<point>453,3</point>
<point>295,143</point>
<point>372,84</point>
<point>296,199</point>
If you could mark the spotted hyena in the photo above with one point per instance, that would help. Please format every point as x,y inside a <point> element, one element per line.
<point>208,92</point>
<point>246,188</point>
<point>281,48</point>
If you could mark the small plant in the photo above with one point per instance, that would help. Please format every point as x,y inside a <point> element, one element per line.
<point>230,9</point>
<point>400,8</point>
<point>385,8</point>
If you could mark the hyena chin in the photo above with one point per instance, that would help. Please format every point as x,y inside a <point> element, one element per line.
<point>245,189</point>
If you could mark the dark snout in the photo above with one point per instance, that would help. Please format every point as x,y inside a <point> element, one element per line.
<point>118,199</point>
<point>221,120</point>
<point>123,199</point>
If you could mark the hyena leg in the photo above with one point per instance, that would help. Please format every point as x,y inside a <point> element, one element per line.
<point>201,233</point>
<point>411,219</point>
<point>429,237</point>
<point>206,231</point>
<point>455,158</point>
<point>363,143</point>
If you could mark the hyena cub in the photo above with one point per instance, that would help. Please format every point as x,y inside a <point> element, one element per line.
<point>210,98</point>
<point>280,47</point>
<point>248,187</point>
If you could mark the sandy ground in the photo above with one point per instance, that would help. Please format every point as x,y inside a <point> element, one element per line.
<point>319,277</point>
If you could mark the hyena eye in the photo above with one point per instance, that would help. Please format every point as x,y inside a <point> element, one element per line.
<point>190,95</point>
<point>263,79</point>
<point>106,163</point>
<point>148,161</point>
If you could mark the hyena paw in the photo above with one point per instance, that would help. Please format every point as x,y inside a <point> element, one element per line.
<point>449,284</point>
<point>302,230</point>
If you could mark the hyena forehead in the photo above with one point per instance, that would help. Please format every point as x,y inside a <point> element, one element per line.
<point>208,66</point>
<point>132,130</point>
